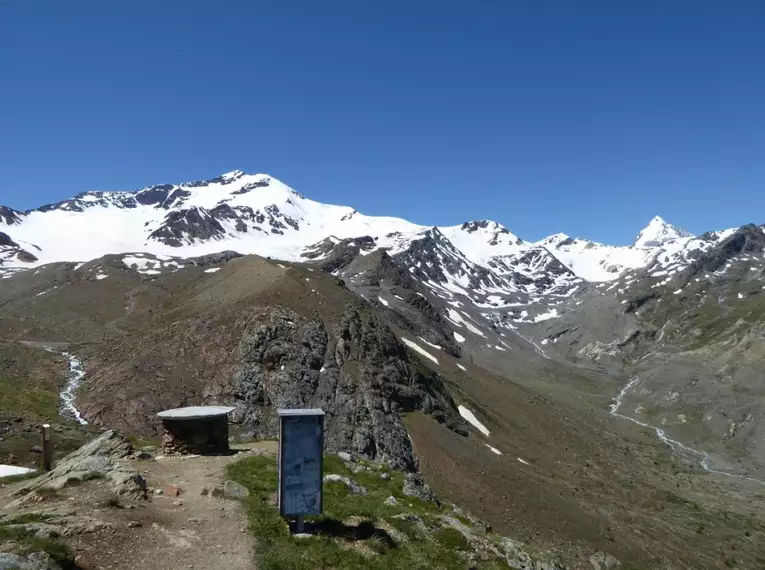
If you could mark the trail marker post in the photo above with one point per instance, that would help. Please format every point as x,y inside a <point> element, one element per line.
<point>301,464</point>
<point>47,446</point>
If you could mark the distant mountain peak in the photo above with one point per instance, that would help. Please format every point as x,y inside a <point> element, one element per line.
<point>233,175</point>
<point>485,225</point>
<point>554,239</point>
<point>658,232</point>
<point>493,232</point>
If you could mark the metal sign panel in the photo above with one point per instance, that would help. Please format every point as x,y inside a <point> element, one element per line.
<point>301,462</point>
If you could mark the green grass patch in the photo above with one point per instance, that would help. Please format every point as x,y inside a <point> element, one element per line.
<point>405,527</point>
<point>351,533</point>
<point>452,538</point>
<point>29,397</point>
<point>26,543</point>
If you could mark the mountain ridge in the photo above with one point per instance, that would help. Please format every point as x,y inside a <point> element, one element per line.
<point>257,213</point>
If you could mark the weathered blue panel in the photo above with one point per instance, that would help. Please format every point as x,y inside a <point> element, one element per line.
<point>301,446</point>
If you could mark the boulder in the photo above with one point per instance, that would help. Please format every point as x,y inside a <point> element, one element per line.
<point>172,491</point>
<point>603,561</point>
<point>234,490</point>
<point>352,485</point>
<point>127,483</point>
<point>143,456</point>
<point>415,486</point>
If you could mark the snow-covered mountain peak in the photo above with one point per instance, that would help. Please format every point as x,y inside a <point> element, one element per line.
<point>233,175</point>
<point>482,240</point>
<point>554,240</point>
<point>658,232</point>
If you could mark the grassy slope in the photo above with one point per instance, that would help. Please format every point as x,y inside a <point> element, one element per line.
<point>355,531</point>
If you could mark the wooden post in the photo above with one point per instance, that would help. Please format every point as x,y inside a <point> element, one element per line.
<point>47,445</point>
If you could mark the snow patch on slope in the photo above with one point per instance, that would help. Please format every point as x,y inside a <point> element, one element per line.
<point>472,420</point>
<point>458,320</point>
<point>13,470</point>
<point>417,348</point>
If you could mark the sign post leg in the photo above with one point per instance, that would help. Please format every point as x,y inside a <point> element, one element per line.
<point>299,525</point>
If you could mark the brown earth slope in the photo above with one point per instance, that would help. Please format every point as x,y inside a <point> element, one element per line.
<point>258,334</point>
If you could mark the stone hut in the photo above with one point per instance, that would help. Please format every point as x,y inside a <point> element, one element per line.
<point>201,430</point>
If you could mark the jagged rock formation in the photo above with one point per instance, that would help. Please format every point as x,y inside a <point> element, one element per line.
<point>359,374</point>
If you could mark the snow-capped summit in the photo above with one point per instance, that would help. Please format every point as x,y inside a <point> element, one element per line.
<point>233,175</point>
<point>483,239</point>
<point>554,240</point>
<point>658,232</point>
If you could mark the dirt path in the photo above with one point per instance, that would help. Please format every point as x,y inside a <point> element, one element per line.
<point>190,531</point>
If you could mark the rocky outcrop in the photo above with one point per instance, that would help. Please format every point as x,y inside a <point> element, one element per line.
<point>747,239</point>
<point>210,259</point>
<point>337,254</point>
<point>9,250</point>
<point>494,228</point>
<point>6,241</point>
<point>359,374</point>
<point>97,459</point>
<point>32,561</point>
<point>484,545</point>
<point>10,216</point>
<point>187,226</point>
<point>86,200</point>
<point>26,257</point>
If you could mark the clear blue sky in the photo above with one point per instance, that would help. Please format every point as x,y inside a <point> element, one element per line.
<point>586,117</point>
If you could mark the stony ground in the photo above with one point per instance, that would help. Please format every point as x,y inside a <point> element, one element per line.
<point>165,531</point>
<point>188,531</point>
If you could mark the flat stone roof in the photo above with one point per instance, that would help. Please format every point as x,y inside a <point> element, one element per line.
<point>192,412</point>
<point>301,412</point>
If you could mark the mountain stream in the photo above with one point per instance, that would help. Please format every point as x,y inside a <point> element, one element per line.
<point>76,374</point>
<point>703,458</point>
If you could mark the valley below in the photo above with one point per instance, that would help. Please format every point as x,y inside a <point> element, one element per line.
<point>603,405</point>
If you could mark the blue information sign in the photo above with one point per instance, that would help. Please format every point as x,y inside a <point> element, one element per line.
<point>301,453</point>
